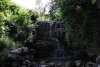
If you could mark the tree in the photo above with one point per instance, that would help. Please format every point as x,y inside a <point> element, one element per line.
<point>81,23</point>
<point>15,27</point>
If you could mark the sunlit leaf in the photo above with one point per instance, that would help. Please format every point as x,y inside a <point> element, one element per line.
<point>93,1</point>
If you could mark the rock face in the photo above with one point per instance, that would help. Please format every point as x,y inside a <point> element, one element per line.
<point>43,29</point>
<point>52,33</point>
<point>49,44</point>
<point>57,29</point>
<point>53,29</point>
<point>20,56</point>
<point>57,32</point>
<point>98,61</point>
<point>44,47</point>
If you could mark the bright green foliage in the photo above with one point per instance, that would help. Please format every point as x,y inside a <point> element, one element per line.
<point>18,18</point>
<point>43,17</point>
<point>6,45</point>
<point>55,12</point>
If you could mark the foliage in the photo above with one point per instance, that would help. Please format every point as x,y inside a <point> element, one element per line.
<point>55,11</point>
<point>81,23</point>
<point>6,45</point>
<point>43,17</point>
<point>16,27</point>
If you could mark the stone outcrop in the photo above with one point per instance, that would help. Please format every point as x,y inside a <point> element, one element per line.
<point>50,35</point>
<point>43,29</point>
<point>20,57</point>
<point>48,44</point>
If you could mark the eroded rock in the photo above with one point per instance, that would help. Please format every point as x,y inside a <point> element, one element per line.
<point>21,57</point>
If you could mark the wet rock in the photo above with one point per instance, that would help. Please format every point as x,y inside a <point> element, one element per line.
<point>34,64</point>
<point>72,64</point>
<point>53,29</point>
<point>67,64</point>
<point>21,56</point>
<point>90,64</point>
<point>98,61</point>
<point>59,64</point>
<point>15,54</point>
<point>20,50</point>
<point>43,34</point>
<point>46,47</point>
<point>43,26</point>
<point>43,64</point>
<point>43,29</point>
<point>78,63</point>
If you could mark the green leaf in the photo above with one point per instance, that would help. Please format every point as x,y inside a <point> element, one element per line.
<point>93,1</point>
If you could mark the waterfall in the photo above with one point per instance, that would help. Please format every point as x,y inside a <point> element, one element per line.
<point>49,41</point>
<point>51,23</point>
<point>59,52</point>
<point>55,32</point>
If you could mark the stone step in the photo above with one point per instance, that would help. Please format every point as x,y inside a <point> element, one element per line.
<point>43,27</point>
<point>43,34</point>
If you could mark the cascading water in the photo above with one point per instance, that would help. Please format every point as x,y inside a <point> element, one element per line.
<point>48,34</point>
<point>55,28</point>
<point>51,23</point>
<point>59,52</point>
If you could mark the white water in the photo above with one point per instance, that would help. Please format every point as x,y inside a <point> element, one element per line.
<point>59,50</point>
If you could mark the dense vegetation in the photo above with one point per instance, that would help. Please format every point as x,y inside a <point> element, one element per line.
<point>14,22</point>
<point>81,23</point>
